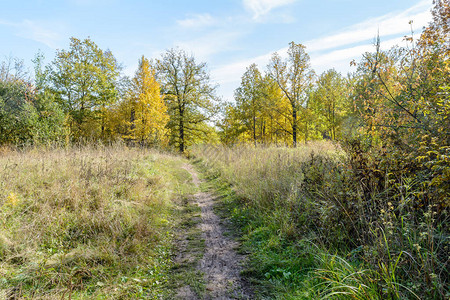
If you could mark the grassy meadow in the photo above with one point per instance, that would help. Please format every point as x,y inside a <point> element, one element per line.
<point>319,222</point>
<point>90,222</point>
<point>316,222</point>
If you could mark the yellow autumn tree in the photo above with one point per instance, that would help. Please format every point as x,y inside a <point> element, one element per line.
<point>260,113</point>
<point>142,116</point>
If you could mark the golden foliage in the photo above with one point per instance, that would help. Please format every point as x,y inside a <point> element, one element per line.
<point>142,116</point>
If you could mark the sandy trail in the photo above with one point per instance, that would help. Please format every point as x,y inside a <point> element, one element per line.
<point>220,263</point>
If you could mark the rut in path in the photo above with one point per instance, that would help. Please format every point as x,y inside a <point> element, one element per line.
<point>220,263</point>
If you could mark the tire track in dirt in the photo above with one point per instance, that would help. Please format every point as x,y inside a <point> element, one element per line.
<point>220,263</point>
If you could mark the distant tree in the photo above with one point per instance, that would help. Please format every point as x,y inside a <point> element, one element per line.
<point>259,113</point>
<point>230,126</point>
<point>15,96</point>
<point>26,115</point>
<point>249,100</point>
<point>45,119</point>
<point>142,115</point>
<point>188,94</point>
<point>329,102</point>
<point>84,80</point>
<point>41,74</point>
<point>294,77</point>
<point>13,69</point>
<point>277,113</point>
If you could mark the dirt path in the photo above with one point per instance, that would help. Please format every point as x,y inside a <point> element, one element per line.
<point>220,263</point>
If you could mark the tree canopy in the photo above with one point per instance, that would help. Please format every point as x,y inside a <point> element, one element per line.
<point>84,80</point>
<point>189,96</point>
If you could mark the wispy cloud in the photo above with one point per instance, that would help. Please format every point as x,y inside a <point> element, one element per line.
<point>340,59</point>
<point>197,21</point>
<point>336,50</point>
<point>222,33</point>
<point>260,8</point>
<point>213,42</point>
<point>339,49</point>
<point>387,25</point>
<point>232,72</point>
<point>42,32</point>
<point>205,35</point>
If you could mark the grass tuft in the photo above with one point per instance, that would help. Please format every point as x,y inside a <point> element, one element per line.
<point>91,222</point>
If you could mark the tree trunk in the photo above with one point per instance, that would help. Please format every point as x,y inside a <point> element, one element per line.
<point>254,130</point>
<point>306,113</point>
<point>103,126</point>
<point>333,132</point>
<point>132,119</point>
<point>263,131</point>
<point>181,132</point>
<point>306,131</point>
<point>271,129</point>
<point>294,127</point>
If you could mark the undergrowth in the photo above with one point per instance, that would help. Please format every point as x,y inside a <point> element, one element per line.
<point>91,222</point>
<point>322,222</point>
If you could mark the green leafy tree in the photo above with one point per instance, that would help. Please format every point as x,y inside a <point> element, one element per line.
<point>26,115</point>
<point>189,97</point>
<point>84,79</point>
<point>230,126</point>
<point>294,77</point>
<point>260,112</point>
<point>14,97</point>
<point>277,112</point>
<point>249,100</point>
<point>330,103</point>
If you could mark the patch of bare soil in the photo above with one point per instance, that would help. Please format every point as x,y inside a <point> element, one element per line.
<point>220,263</point>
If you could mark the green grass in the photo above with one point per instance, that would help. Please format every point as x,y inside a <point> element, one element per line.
<point>190,244</point>
<point>106,222</point>
<point>88,223</point>
<point>311,231</point>
<point>273,267</point>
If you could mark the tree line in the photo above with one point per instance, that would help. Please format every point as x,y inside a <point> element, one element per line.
<point>82,95</point>
<point>392,115</point>
<point>399,95</point>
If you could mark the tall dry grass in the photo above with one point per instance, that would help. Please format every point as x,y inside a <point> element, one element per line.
<point>84,222</point>
<point>268,179</point>
<point>324,222</point>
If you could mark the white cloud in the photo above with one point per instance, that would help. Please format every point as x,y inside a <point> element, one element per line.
<point>211,43</point>
<point>340,59</point>
<point>233,72</point>
<point>260,8</point>
<point>229,76</point>
<point>42,32</point>
<point>387,25</point>
<point>224,33</point>
<point>337,50</point>
<point>197,21</point>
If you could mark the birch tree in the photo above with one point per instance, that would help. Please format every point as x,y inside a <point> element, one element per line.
<point>294,77</point>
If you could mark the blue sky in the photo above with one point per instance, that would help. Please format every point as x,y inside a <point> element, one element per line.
<point>227,34</point>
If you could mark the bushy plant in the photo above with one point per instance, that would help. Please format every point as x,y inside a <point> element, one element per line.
<point>347,203</point>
